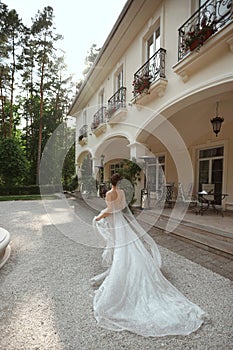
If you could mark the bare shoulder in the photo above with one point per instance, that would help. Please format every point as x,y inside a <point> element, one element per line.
<point>108,195</point>
<point>111,196</point>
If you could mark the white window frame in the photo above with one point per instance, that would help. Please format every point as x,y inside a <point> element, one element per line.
<point>101,98</point>
<point>152,25</point>
<point>155,43</point>
<point>157,165</point>
<point>210,160</point>
<point>115,167</point>
<point>84,117</point>
<point>118,72</point>
<point>195,160</point>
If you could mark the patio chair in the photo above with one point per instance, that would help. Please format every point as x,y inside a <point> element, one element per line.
<point>207,198</point>
<point>167,194</point>
<point>186,197</point>
<point>209,189</point>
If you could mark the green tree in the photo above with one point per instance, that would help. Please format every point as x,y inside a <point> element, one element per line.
<point>44,40</point>
<point>90,58</point>
<point>4,66</point>
<point>130,171</point>
<point>88,181</point>
<point>68,170</point>
<point>30,65</point>
<point>12,31</point>
<point>13,163</point>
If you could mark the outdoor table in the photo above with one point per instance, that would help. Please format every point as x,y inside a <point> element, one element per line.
<point>209,200</point>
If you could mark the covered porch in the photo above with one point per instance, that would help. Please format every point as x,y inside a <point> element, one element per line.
<point>187,151</point>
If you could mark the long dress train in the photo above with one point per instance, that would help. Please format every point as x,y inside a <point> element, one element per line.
<point>134,295</point>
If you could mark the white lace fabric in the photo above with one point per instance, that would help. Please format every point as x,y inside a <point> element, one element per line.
<point>134,294</point>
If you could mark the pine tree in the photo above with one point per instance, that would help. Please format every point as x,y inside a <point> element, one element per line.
<point>44,40</point>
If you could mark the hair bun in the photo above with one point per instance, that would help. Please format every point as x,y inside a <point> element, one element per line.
<point>116,178</point>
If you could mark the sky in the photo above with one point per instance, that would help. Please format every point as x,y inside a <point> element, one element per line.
<point>81,22</point>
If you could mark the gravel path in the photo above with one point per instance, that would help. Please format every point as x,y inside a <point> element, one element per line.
<point>46,297</point>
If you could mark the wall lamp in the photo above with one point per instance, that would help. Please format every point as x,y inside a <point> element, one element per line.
<point>217,121</point>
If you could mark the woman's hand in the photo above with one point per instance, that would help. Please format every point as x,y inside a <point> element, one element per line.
<point>101,216</point>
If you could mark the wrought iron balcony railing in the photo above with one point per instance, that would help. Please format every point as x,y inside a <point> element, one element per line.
<point>117,101</point>
<point>83,132</point>
<point>152,70</point>
<point>99,118</point>
<point>207,20</point>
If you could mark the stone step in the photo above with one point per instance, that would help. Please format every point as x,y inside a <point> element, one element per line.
<point>217,241</point>
<point>212,242</point>
<point>206,237</point>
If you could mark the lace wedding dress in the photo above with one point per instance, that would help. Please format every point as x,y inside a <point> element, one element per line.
<point>134,295</point>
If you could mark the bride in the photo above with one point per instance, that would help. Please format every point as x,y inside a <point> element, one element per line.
<point>133,294</point>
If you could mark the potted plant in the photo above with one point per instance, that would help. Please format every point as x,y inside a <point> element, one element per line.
<point>94,125</point>
<point>198,36</point>
<point>82,140</point>
<point>130,171</point>
<point>141,84</point>
<point>206,32</point>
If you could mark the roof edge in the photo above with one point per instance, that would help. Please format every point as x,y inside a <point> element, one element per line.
<point>105,45</point>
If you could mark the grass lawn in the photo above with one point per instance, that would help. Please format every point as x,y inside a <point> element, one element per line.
<point>27,197</point>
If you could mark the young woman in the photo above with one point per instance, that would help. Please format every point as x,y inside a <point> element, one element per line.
<point>134,294</point>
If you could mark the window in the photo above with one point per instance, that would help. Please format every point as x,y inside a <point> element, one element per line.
<point>84,117</point>
<point>101,98</point>
<point>153,43</point>
<point>119,79</point>
<point>155,174</point>
<point>211,167</point>
<point>114,168</point>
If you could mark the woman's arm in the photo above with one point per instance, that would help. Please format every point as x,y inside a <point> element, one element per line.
<point>104,213</point>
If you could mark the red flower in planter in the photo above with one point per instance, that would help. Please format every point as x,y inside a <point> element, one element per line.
<point>141,84</point>
<point>198,36</point>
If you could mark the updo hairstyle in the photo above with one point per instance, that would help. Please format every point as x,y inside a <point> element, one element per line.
<point>115,179</point>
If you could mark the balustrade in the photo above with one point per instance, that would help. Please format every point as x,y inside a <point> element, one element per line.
<point>152,70</point>
<point>211,17</point>
<point>83,132</point>
<point>99,118</point>
<point>117,101</point>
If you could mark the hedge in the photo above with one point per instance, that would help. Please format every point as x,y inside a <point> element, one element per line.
<point>27,190</point>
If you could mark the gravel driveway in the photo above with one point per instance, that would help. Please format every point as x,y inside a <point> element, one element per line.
<point>46,296</point>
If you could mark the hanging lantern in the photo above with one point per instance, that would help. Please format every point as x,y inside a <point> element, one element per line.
<point>217,122</point>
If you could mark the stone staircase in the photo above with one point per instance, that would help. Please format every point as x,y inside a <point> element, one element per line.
<point>208,238</point>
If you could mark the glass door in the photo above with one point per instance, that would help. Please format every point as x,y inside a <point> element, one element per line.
<point>153,43</point>
<point>211,169</point>
<point>156,174</point>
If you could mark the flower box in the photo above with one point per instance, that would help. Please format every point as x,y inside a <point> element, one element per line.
<point>82,140</point>
<point>197,37</point>
<point>141,84</point>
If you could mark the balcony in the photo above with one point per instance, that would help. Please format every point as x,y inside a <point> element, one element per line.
<point>210,18</point>
<point>117,106</point>
<point>151,76</point>
<point>82,139</point>
<point>99,121</point>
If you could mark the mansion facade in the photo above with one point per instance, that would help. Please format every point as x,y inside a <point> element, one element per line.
<point>160,93</point>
